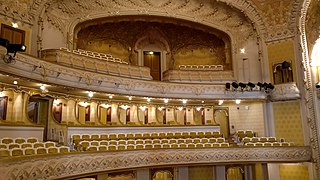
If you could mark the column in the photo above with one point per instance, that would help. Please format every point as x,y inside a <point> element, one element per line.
<point>143,174</point>
<point>220,172</point>
<point>182,173</point>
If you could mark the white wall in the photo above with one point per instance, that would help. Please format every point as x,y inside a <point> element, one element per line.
<point>52,38</point>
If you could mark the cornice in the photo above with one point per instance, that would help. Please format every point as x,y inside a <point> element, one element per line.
<point>68,165</point>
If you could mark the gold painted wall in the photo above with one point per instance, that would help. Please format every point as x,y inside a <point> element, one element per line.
<point>279,52</point>
<point>287,121</point>
<point>201,173</point>
<point>293,172</point>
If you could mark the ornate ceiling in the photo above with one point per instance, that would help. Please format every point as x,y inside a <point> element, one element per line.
<point>273,19</point>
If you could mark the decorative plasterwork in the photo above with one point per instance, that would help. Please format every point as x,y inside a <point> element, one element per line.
<point>39,70</point>
<point>284,92</point>
<point>68,165</point>
<point>66,14</point>
<point>308,93</point>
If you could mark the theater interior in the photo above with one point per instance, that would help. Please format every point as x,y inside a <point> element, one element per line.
<point>160,89</point>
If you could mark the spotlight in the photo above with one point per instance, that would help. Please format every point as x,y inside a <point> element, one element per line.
<point>242,85</point>
<point>4,42</point>
<point>260,85</point>
<point>270,86</point>
<point>14,48</point>
<point>251,85</point>
<point>235,85</point>
<point>228,86</point>
<point>318,85</point>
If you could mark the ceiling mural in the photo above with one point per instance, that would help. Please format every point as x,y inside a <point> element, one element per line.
<point>275,19</point>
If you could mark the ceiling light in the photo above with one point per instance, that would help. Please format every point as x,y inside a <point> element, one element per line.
<point>143,108</point>
<point>130,98</point>
<point>151,52</point>
<point>15,82</point>
<point>198,108</point>
<point>238,101</point>
<point>184,101</point>
<point>110,97</point>
<point>125,107</point>
<point>180,108</point>
<point>202,102</point>
<point>242,50</point>
<point>160,108</point>
<point>42,87</point>
<point>148,99</point>
<point>90,94</point>
<point>165,100</point>
<point>106,105</point>
<point>318,85</point>
<point>1,94</point>
<point>83,104</point>
<point>56,102</point>
<point>14,25</point>
<point>220,102</point>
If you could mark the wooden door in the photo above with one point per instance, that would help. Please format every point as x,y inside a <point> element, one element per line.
<point>153,62</point>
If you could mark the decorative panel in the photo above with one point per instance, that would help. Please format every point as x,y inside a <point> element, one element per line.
<point>287,121</point>
<point>293,172</point>
<point>201,173</point>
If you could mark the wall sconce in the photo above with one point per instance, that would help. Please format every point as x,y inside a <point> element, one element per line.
<point>105,106</point>
<point>83,104</point>
<point>160,108</point>
<point>125,107</point>
<point>143,108</point>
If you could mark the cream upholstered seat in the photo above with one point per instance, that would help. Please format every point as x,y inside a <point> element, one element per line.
<point>193,135</point>
<point>250,144</point>
<point>104,137</point>
<point>64,149</point>
<point>103,143</point>
<point>148,146</point>
<point>207,145</point>
<point>263,139</point>
<point>185,135</point>
<point>131,142</point>
<point>156,141</point>
<point>170,135</point>
<point>255,139</point>
<point>191,145</point>
<point>215,145</point>
<point>52,150</point>
<point>224,144</point>
<point>92,148</point>
<point>85,137</point>
<point>32,140</point>
<point>112,148</point>
<point>41,150</point>
<point>121,147</point>
<point>246,139</point>
<point>199,145</point>
<point>196,140</point>
<point>208,134</point>
<point>49,144</point>
<point>249,133</point>
<point>3,146</point>
<point>130,147</point>
<point>129,136</point>
<point>204,140</point>
<point>154,135</point>
<point>179,141</point>
<point>189,141</point>
<point>200,135</point>
<point>166,146</point>
<point>7,140</point>
<point>285,144</point>
<point>216,134</point>
<point>26,145</point>
<point>84,145</point>
<point>146,136</point>
<point>276,144</point>
<point>138,136</point>
<point>16,152</point>
<point>258,144</point>
<point>164,141</point>
<point>172,141</point>
<point>76,138</point>
<point>94,143</point>
<point>113,142</point>
<point>139,142</point>
<point>157,146</point>
<point>212,140</point>
<point>178,135</point>
<point>95,137</point>
<point>148,141</point>
<point>4,153</point>
<point>38,144</point>
<point>139,146</point>
<point>272,139</point>
<point>162,135</point>
<point>268,144</point>
<point>175,146</point>
<point>13,145</point>
<point>122,136</point>
<point>113,137</point>
<point>122,142</point>
<point>102,148</point>
<point>29,151</point>
<point>220,140</point>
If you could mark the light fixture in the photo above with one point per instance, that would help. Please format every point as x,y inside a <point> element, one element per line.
<point>105,105</point>
<point>251,85</point>
<point>110,96</point>
<point>318,85</point>
<point>198,108</point>
<point>202,102</point>
<point>42,87</point>
<point>180,108</point>
<point>14,48</point>
<point>242,50</point>
<point>56,102</point>
<point>14,25</point>
<point>238,101</point>
<point>143,108</point>
<point>90,94</point>
<point>228,86</point>
<point>235,85</point>
<point>220,102</point>
<point>83,104</point>
<point>148,99</point>
<point>150,52</point>
<point>125,107</point>
<point>242,85</point>
<point>260,85</point>
<point>160,108</point>
<point>184,101</point>
<point>166,100</point>
<point>1,94</point>
<point>15,82</point>
<point>130,98</point>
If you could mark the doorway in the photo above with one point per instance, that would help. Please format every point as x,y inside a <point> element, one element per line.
<point>221,117</point>
<point>152,60</point>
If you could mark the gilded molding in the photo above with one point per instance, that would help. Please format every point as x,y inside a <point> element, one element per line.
<point>68,165</point>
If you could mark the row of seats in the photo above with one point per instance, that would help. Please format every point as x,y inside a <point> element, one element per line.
<point>151,141</point>
<point>101,56</point>
<point>245,133</point>
<point>20,140</point>
<point>33,151</point>
<point>259,139</point>
<point>27,145</point>
<point>152,146</point>
<point>267,144</point>
<point>130,136</point>
<point>201,67</point>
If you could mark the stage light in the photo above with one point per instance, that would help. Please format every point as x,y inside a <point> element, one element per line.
<point>15,82</point>
<point>242,85</point>
<point>110,97</point>
<point>270,86</point>
<point>4,42</point>
<point>228,86</point>
<point>235,85</point>
<point>251,85</point>
<point>318,85</point>
<point>261,85</point>
<point>14,48</point>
